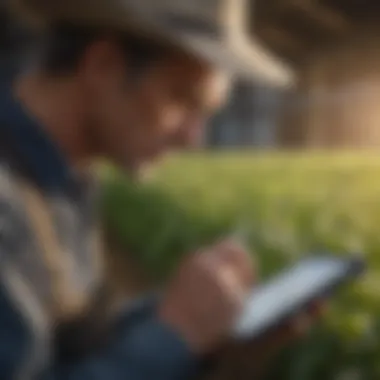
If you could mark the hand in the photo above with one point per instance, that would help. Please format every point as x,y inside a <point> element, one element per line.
<point>249,360</point>
<point>207,294</point>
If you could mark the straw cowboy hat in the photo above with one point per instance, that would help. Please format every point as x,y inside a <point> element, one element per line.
<point>214,30</point>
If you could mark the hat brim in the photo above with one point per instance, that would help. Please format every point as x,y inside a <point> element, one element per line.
<point>241,55</point>
<point>247,60</point>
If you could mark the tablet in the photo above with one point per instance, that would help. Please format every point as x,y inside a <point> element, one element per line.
<point>292,290</point>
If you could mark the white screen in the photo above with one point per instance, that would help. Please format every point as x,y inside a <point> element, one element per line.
<point>286,291</point>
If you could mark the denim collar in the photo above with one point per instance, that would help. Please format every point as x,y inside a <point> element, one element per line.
<point>42,157</point>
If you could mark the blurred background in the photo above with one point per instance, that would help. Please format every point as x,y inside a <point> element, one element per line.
<point>295,171</point>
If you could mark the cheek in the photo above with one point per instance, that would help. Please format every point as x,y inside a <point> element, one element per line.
<point>110,107</point>
<point>159,113</point>
<point>114,127</point>
<point>171,118</point>
<point>116,116</point>
<point>161,119</point>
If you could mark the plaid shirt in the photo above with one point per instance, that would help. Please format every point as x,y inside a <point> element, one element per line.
<point>53,303</point>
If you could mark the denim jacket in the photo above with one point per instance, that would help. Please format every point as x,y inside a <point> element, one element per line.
<point>52,298</point>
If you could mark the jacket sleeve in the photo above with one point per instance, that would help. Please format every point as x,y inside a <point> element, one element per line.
<point>137,351</point>
<point>149,350</point>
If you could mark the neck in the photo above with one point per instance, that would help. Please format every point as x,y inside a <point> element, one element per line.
<point>57,106</point>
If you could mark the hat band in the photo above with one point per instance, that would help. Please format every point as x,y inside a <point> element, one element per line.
<point>192,25</point>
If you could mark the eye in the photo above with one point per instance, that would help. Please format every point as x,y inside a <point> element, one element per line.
<point>192,100</point>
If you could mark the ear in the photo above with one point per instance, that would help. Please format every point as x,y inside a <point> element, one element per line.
<point>103,65</point>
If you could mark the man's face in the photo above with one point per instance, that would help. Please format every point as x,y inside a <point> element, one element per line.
<point>135,121</point>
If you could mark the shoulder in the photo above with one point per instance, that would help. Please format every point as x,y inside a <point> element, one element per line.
<point>21,313</point>
<point>15,336</point>
<point>13,226</point>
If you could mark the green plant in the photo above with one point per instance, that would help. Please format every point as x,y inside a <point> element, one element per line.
<point>288,204</point>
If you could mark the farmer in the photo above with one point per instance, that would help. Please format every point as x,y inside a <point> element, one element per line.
<point>125,80</point>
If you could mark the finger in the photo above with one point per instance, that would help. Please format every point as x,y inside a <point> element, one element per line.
<point>301,324</point>
<point>234,254</point>
<point>303,321</point>
<point>284,334</point>
<point>231,259</point>
<point>289,332</point>
<point>225,277</point>
<point>318,308</point>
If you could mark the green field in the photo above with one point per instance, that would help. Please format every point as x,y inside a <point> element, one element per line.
<point>284,205</point>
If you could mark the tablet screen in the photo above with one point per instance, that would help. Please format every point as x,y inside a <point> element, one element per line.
<point>288,291</point>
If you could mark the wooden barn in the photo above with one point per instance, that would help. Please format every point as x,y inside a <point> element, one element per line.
<point>334,47</point>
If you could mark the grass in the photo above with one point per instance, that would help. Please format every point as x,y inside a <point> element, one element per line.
<point>286,204</point>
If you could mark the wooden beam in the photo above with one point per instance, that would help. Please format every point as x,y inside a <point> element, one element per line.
<point>267,9</point>
<point>295,28</point>
<point>280,38</point>
<point>322,16</point>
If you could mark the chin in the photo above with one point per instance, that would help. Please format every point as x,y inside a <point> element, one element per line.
<point>140,169</point>
<point>138,172</point>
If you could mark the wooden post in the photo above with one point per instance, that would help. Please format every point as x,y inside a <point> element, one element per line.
<point>337,102</point>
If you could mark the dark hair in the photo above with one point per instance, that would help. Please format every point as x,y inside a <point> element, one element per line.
<point>15,39</point>
<point>64,45</point>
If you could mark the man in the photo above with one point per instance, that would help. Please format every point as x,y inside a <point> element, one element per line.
<point>120,79</point>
